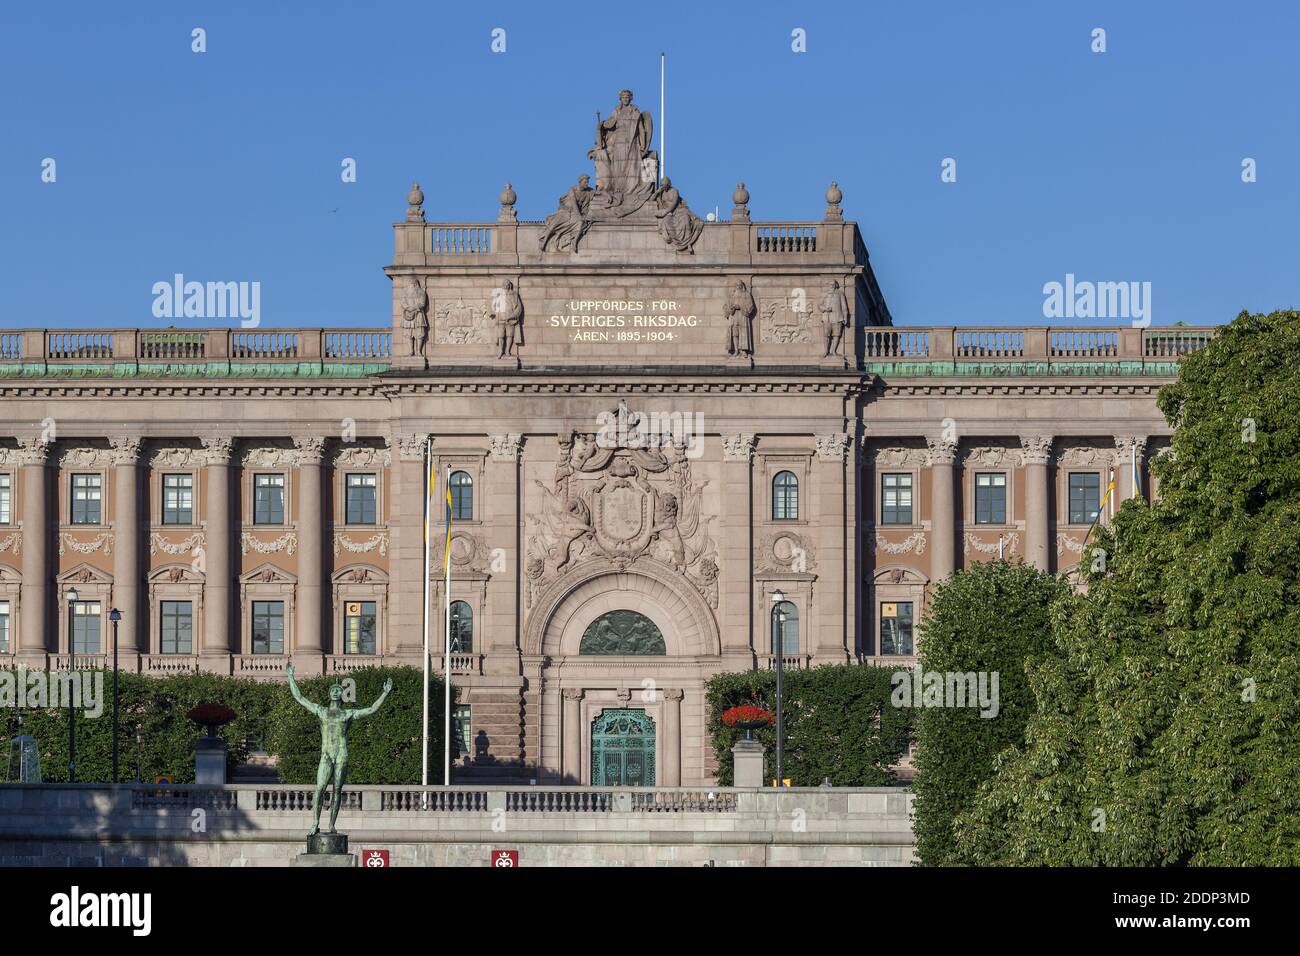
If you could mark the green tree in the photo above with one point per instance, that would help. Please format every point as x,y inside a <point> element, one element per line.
<point>1166,723</point>
<point>989,618</point>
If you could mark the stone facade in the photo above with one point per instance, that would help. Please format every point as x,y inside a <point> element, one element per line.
<point>654,423</point>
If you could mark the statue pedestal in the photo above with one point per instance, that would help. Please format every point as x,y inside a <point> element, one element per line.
<point>210,761</point>
<point>833,361</point>
<point>326,849</point>
<point>504,361</point>
<point>747,763</point>
<point>740,360</point>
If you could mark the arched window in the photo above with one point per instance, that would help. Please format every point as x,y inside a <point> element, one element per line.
<point>623,633</point>
<point>462,628</point>
<point>785,496</point>
<point>462,496</point>
<point>785,621</point>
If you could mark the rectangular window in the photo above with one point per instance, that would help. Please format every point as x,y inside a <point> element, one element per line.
<point>4,627</point>
<point>991,498</point>
<point>177,627</point>
<point>86,495</point>
<point>360,624</point>
<point>268,627</point>
<point>268,499</point>
<point>1085,497</point>
<point>178,499</point>
<point>84,627</point>
<point>896,499</point>
<point>460,730</point>
<point>896,628</point>
<point>361,499</point>
<point>6,497</point>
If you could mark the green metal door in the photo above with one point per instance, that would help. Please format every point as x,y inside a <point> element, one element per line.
<point>623,749</point>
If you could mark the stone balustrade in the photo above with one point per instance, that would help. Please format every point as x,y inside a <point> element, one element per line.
<point>88,824</point>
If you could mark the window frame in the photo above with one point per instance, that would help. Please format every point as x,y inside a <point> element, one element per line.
<point>101,487</point>
<point>8,482</point>
<point>881,618</point>
<point>780,497</point>
<point>456,491</point>
<point>1005,488</point>
<point>285,642</point>
<point>377,609</point>
<point>454,624</point>
<point>913,507</point>
<point>74,615</point>
<point>162,627</point>
<point>346,489</point>
<point>1068,491</point>
<point>162,499</point>
<point>285,513</point>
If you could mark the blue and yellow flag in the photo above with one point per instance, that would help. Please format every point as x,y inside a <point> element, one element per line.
<point>446,551</point>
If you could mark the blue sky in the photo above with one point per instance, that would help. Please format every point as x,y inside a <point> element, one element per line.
<point>1121,166</point>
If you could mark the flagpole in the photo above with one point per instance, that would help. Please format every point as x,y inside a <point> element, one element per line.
<point>446,665</point>
<point>424,720</point>
<point>663,123</point>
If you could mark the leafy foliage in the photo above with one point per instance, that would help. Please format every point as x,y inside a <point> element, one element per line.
<point>839,723</point>
<point>991,617</point>
<point>1166,723</point>
<point>383,748</point>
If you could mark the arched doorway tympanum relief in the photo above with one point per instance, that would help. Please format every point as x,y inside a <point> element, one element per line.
<point>623,749</point>
<point>622,633</point>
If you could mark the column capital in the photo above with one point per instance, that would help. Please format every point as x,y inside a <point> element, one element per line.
<point>943,451</point>
<point>834,446</point>
<point>126,449</point>
<point>1125,442</point>
<point>311,449</point>
<point>506,447</point>
<point>410,445</point>
<point>674,693</point>
<point>1037,448</point>
<point>572,693</point>
<point>34,451</point>
<point>739,447</point>
<point>218,449</point>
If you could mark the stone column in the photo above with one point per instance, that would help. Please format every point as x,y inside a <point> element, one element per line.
<point>1124,448</point>
<point>219,570</point>
<point>943,513</point>
<point>833,610</point>
<point>404,635</point>
<point>672,737</point>
<point>126,550</point>
<point>500,502</point>
<point>32,641</point>
<point>571,733</point>
<point>1037,450</point>
<point>311,527</point>
<point>736,578</point>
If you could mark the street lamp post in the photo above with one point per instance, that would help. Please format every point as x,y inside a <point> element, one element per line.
<point>72,711</point>
<point>115,616</point>
<point>778,613</point>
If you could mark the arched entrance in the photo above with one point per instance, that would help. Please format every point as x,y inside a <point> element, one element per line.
<point>623,749</point>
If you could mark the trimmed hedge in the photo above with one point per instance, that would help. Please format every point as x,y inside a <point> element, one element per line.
<point>382,748</point>
<point>378,747</point>
<point>991,617</point>
<point>839,723</point>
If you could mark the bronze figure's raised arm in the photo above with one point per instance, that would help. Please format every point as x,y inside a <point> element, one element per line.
<point>334,722</point>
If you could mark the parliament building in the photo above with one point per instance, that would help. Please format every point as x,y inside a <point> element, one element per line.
<point>666,441</point>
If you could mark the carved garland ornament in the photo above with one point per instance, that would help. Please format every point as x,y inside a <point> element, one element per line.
<point>342,542</point>
<point>158,543</point>
<point>1010,544</point>
<point>288,543</point>
<point>14,541</point>
<point>914,541</point>
<point>1066,543</point>
<point>104,541</point>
